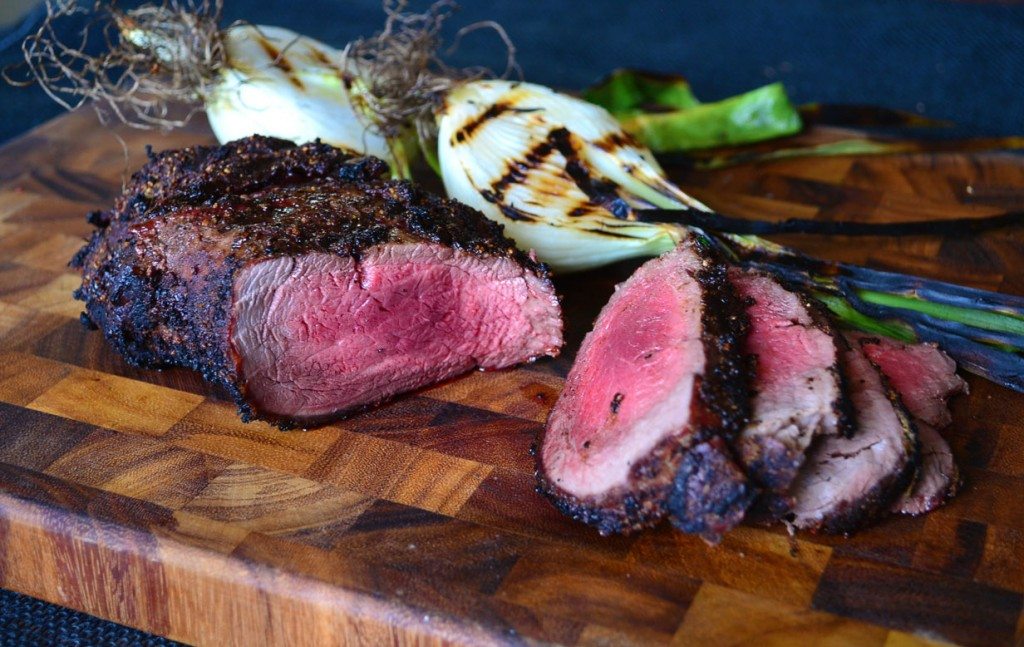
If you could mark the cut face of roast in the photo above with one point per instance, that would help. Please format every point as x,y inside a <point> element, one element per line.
<point>320,334</point>
<point>648,382</point>
<point>846,482</point>
<point>797,389</point>
<point>306,284</point>
<point>924,376</point>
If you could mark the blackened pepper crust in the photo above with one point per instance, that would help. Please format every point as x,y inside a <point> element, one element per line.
<point>158,274</point>
<point>710,492</point>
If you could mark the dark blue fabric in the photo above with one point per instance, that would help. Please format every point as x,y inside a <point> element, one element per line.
<point>27,622</point>
<point>958,61</point>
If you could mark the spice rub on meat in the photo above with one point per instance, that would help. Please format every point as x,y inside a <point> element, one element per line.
<point>304,282</point>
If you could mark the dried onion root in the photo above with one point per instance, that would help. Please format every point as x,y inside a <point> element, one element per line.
<point>135,83</point>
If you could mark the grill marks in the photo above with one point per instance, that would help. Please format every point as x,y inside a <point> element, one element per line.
<point>517,173</point>
<point>323,59</point>
<point>601,195</point>
<point>599,192</point>
<point>465,133</point>
<point>278,60</point>
<point>616,140</point>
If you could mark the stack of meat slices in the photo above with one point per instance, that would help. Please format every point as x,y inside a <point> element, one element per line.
<point>709,394</point>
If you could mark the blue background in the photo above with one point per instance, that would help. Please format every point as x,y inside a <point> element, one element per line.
<point>962,61</point>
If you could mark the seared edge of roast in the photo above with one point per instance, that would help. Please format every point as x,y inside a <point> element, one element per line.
<point>710,494</point>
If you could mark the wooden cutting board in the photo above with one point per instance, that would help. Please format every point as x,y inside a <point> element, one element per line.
<point>138,496</point>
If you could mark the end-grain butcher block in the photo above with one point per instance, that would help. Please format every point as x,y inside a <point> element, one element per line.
<point>304,282</point>
<point>656,386</point>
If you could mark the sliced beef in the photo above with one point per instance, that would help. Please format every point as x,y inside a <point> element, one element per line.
<point>305,283</point>
<point>925,379</point>
<point>923,375</point>
<point>797,389</point>
<point>937,479</point>
<point>659,373</point>
<point>847,482</point>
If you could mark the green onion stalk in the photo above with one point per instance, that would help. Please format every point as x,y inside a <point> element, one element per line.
<point>662,111</point>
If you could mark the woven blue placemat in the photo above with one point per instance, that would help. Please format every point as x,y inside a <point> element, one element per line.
<point>28,622</point>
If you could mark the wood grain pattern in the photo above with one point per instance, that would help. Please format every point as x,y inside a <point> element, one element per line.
<point>139,496</point>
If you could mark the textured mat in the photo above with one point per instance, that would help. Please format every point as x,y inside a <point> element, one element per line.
<point>26,622</point>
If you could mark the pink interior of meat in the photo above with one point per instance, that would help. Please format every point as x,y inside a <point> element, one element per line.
<point>781,334</point>
<point>319,333</point>
<point>794,385</point>
<point>923,375</point>
<point>632,381</point>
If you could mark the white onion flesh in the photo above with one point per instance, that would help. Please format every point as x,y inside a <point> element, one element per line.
<point>495,153</point>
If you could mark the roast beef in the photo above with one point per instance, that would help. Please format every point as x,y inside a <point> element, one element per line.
<point>848,481</point>
<point>798,392</point>
<point>924,376</point>
<point>925,379</point>
<point>659,374</point>
<point>937,479</point>
<point>305,283</point>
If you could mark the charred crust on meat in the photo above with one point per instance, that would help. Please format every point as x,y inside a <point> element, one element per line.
<point>725,393</point>
<point>623,511</point>
<point>710,494</point>
<point>725,385</point>
<point>236,203</point>
<point>774,465</point>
